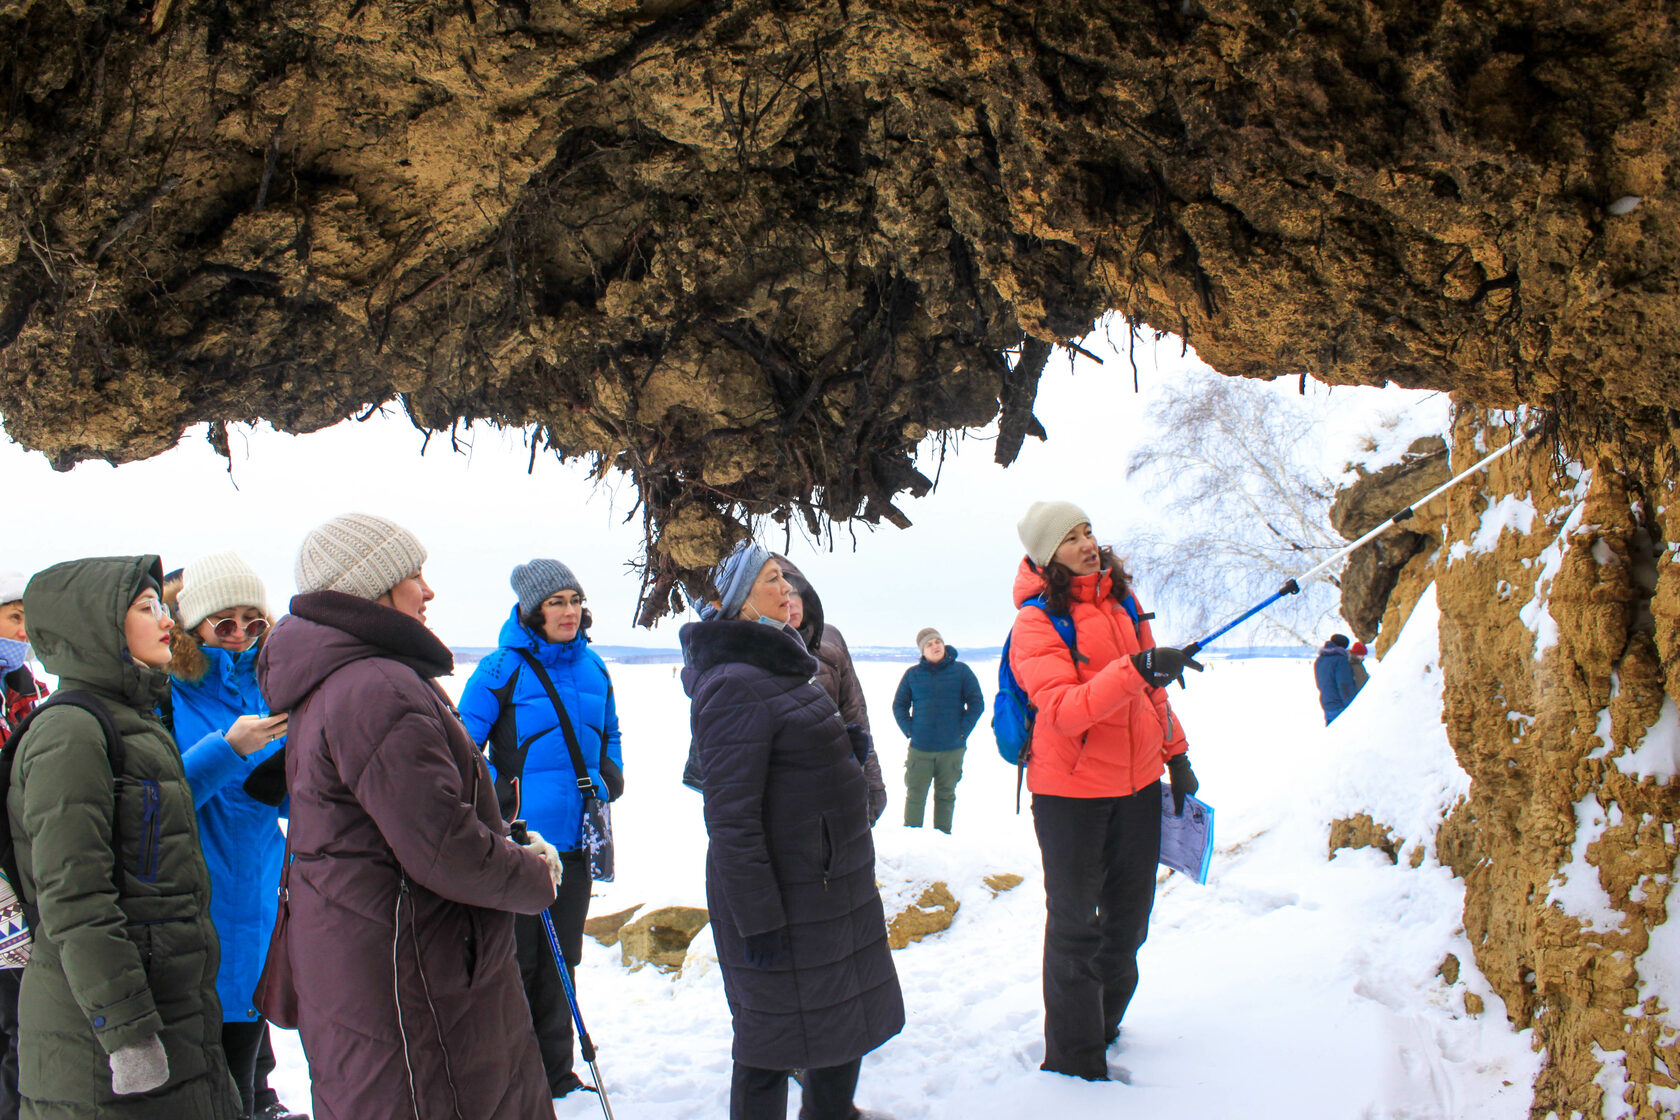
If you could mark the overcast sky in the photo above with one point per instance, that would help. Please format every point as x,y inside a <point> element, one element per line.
<point>479,513</point>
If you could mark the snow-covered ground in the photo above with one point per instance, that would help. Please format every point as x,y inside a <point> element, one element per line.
<point>1291,986</point>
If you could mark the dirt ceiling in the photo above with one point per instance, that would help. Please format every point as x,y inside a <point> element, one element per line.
<point>754,252</point>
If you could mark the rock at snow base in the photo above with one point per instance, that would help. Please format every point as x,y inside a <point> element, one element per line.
<point>931,913</point>
<point>660,937</point>
<point>605,928</point>
<point>1360,831</point>
<point>1003,881</point>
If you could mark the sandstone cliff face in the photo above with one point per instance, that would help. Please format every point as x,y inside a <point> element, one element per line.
<point>754,251</point>
<point>1560,647</point>
<point>1373,569</point>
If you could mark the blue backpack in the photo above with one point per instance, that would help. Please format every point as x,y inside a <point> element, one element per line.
<point>1012,713</point>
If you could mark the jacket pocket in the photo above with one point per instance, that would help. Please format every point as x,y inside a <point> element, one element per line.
<point>825,848</point>
<point>470,946</point>
<point>151,805</point>
<point>1079,753</point>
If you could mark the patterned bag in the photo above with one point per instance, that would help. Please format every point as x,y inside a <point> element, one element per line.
<point>597,841</point>
<point>596,836</point>
<point>15,938</point>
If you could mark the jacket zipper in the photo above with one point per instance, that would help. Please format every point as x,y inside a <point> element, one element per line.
<point>151,800</point>
<point>827,841</point>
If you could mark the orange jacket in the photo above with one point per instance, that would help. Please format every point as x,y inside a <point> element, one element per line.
<point>1100,730</point>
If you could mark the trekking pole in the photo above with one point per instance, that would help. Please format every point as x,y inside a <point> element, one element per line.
<point>1293,586</point>
<point>586,1046</point>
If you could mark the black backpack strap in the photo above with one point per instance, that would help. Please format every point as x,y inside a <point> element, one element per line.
<point>585,784</point>
<point>115,750</point>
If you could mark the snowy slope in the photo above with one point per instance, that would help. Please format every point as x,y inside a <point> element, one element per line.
<point>1291,986</point>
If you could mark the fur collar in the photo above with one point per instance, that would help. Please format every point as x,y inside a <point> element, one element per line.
<point>775,649</point>
<point>393,633</point>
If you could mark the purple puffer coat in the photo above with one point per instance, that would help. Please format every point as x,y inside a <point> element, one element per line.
<point>788,826</point>
<point>398,850</point>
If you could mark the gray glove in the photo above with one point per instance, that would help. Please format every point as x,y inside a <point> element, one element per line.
<point>139,1068</point>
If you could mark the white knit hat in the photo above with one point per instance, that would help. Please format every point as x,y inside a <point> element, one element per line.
<point>218,582</point>
<point>1045,526</point>
<point>11,586</point>
<point>358,554</point>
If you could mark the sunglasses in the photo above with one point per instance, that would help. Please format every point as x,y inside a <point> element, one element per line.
<point>228,627</point>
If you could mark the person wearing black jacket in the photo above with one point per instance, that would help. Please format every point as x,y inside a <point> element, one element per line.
<point>790,867</point>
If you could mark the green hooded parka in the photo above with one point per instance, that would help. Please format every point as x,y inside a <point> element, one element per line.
<point>117,958</point>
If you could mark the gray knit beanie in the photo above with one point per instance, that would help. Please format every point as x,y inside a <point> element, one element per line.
<point>358,554</point>
<point>539,579</point>
<point>1045,526</point>
<point>925,635</point>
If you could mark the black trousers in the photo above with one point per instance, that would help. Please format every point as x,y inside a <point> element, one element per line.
<point>264,1096</point>
<point>241,1041</point>
<point>551,1015</point>
<point>761,1094</point>
<point>1099,886</point>
<point>10,981</point>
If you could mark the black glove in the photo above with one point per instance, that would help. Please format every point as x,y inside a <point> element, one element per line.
<point>861,743</point>
<point>267,780</point>
<point>1183,780</point>
<point>613,777</point>
<point>763,950</point>
<point>1162,665</point>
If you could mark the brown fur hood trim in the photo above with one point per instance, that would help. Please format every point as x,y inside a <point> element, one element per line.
<point>187,661</point>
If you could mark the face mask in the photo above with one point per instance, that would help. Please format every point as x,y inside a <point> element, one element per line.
<point>766,620</point>
<point>13,654</point>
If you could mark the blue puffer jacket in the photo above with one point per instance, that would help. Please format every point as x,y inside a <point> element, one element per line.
<point>505,705</point>
<point>1335,680</point>
<point>241,837</point>
<point>938,704</point>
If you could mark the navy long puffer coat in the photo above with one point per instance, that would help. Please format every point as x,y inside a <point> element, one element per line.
<point>788,824</point>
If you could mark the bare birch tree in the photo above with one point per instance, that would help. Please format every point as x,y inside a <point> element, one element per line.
<point>1243,507</point>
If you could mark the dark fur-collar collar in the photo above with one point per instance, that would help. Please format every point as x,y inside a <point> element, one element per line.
<point>775,649</point>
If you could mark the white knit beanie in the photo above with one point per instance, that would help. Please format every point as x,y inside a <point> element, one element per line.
<point>1045,526</point>
<point>358,554</point>
<point>11,587</point>
<point>218,582</point>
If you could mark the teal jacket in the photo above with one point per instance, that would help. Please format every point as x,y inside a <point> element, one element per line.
<point>938,703</point>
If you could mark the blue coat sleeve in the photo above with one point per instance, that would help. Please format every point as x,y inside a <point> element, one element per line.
<point>479,708</point>
<point>614,752</point>
<point>974,700</point>
<point>212,764</point>
<point>901,703</point>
